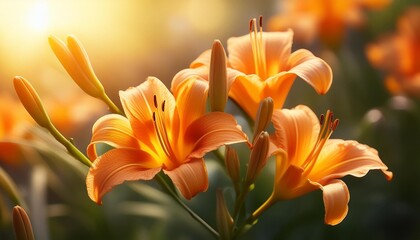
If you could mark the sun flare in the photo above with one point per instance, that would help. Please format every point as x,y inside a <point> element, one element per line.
<point>38,17</point>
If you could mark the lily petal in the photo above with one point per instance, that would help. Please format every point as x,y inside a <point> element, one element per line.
<point>311,69</point>
<point>114,130</point>
<point>212,131</point>
<point>296,131</point>
<point>191,99</point>
<point>138,104</point>
<point>340,158</point>
<point>189,74</point>
<point>190,178</point>
<point>116,166</point>
<point>246,92</point>
<point>336,198</point>
<point>277,49</point>
<point>278,87</point>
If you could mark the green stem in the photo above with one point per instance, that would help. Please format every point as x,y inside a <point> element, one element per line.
<point>254,216</point>
<point>165,185</point>
<point>240,201</point>
<point>69,146</point>
<point>112,107</point>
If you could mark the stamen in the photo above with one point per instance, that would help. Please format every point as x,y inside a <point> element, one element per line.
<point>328,125</point>
<point>258,48</point>
<point>161,131</point>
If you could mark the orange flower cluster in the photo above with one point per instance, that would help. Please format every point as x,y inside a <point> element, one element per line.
<point>169,132</point>
<point>397,55</point>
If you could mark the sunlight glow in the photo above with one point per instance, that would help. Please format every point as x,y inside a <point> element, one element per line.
<point>38,17</point>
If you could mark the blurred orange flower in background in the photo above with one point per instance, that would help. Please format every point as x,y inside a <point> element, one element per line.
<point>13,121</point>
<point>69,112</point>
<point>397,55</point>
<point>323,19</point>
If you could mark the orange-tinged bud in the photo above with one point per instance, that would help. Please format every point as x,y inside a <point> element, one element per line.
<point>224,220</point>
<point>74,59</point>
<point>232,166</point>
<point>258,158</point>
<point>31,101</point>
<point>218,78</point>
<point>263,118</point>
<point>22,224</point>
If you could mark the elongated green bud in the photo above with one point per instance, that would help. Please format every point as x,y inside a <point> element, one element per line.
<point>218,78</point>
<point>258,158</point>
<point>224,220</point>
<point>232,166</point>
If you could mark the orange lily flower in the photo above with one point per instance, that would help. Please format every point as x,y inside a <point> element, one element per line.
<point>260,65</point>
<point>326,19</point>
<point>308,160</point>
<point>160,132</point>
<point>397,55</point>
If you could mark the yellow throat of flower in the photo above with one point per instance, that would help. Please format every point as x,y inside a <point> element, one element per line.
<point>328,126</point>
<point>258,47</point>
<point>162,133</point>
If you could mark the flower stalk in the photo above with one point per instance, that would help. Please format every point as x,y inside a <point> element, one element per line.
<point>175,196</point>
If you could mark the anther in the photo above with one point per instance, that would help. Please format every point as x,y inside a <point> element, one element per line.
<point>335,124</point>
<point>322,119</point>
<point>251,24</point>
<point>163,106</point>
<point>154,117</point>
<point>261,22</point>
<point>155,101</point>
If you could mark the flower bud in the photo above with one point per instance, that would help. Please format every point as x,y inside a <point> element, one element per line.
<point>22,224</point>
<point>31,101</point>
<point>74,59</point>
<point>218,78</point>
<point>258,158</point>
<point>232,166</point>
<point>263,118</point>
<point>224,220</point>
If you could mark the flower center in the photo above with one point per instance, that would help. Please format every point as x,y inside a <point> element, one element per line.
<point>328,126</point>
<point>162,133</point>
<point>258,47</point>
